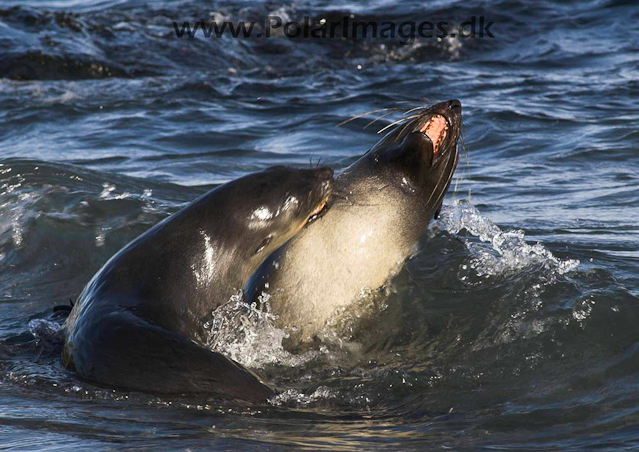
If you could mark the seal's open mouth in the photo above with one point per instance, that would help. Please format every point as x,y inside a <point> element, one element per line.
<point>436,128</point>
<point>319,211</point>
<point>319,208</point>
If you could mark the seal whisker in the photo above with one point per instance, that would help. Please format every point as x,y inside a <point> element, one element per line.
<point>378,118</point>
<point>342,201</point>
<point>459,178</point>
<point>462,141</point>
<point>415,109</point>
<point>412,121</point>
<point>397,122</point>
<point>442,190</point>
<point>365,114</point>
<point>437,185</point>
<point>367,205</point>
<point>467,154</point>
<point>337,197</point>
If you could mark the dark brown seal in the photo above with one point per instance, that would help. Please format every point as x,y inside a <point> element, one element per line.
<point>138,324</point>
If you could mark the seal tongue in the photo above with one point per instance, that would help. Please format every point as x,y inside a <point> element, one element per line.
<point>435,128</point>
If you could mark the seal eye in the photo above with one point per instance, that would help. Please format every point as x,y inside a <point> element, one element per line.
<point>264,244</point>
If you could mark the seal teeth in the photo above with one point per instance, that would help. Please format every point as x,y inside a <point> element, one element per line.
<point>436,128</point>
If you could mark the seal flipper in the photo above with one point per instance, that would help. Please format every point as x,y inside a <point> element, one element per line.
<point>125,351</point>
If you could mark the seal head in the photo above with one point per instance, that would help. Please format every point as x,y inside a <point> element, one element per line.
<point>424,153</point>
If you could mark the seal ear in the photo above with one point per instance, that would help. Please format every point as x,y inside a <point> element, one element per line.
<point>263,245</point>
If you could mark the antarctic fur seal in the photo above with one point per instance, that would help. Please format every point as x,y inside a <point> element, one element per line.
<point>138,324</point>
<point>382,204</point>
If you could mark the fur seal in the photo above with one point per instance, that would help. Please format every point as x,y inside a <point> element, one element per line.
<point>138,324</point>
<point>382,204</point>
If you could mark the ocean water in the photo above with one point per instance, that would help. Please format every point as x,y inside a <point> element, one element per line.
<point>515,324</point>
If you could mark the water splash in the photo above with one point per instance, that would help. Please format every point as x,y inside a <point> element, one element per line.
<point>108,192</point>
<point>509,251</point>
<point>247,334</point>
<point>46,332</point>
<point>18,208</point>
<point>295,398</point>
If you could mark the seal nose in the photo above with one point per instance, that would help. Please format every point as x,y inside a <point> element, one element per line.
<point>455,106</point>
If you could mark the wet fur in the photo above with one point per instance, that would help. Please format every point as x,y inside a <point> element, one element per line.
<point>138,324</point>
<point>373,224</point>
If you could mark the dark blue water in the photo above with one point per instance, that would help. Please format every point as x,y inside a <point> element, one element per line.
<point>516,323</point>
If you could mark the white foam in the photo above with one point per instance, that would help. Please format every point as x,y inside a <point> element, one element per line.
<point>46,331</point>
<point>298,398</point>
<point>247,334</point>
<point>509,250</point>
